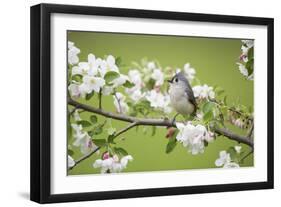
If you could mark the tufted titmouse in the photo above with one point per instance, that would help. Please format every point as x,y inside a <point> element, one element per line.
<point>181,95</point>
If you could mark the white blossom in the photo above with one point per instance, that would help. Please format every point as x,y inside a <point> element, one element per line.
<point>158,100</point>
<point>151,65</point>
<point>135,92</point>
<point>112,164</point>
<point>243,70</point>
<point>93,83</point>
<point>135,78</point>
<point>107,65</point>
<point>70,161</point>
<point>119,81</point>
<point>87,68</point>
<point>225,161</point>
<point>248,43</point>
<point>136,95</point>
<point>120,104</point>
<point>72,53</point>
<point>203,92</point>
<point>231,165</point>
<point>193,137</point>
<point>189,71</point>
<point>238,149</point>
<point>76,116</point>
<point>74,90</point>
<point>158,76</point>
<point>82,139</point>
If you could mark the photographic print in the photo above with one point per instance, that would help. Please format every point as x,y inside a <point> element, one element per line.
<point>132,103</point>
<point>144,103</point>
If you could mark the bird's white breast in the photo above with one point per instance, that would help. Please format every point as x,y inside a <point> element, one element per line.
<point>179,100</point>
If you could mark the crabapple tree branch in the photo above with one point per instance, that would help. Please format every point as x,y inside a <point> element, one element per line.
<point>155,122</point>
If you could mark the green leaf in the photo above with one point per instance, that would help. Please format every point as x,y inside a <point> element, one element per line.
<point>99,142</point>
<point>128,84</point>
<point>206,143</point>
<point>84,123</point>
<point>98,129</point>
<point>91,133</point>
<point>150,84</point>
<point>90,95</point>
<point>219,91</point>
<point>94,119</point>
<point>118,61</point>
<point>250,66</point>
<point>224,110</point>
<point>110,139</point>
<point>233,154</point>
<point>120,150</point>
<point>153,130</point>
<point>70,152</point>
<point>110,76</point>
<point>111,130</point>
<point>172,142</point>
<point>250,53</point>
<point>171,146</point>
<point>208,116</point>
<point>77,78</point>
<point>207,107</point>
<point>225,100</point>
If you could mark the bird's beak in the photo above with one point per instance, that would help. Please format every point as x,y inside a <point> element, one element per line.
<point>170,81</point>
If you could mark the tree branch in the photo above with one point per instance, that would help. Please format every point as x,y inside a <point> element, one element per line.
<point>236,137</point>
<point>156,122</point>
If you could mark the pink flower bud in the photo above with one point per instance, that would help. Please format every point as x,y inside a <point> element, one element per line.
<point>105,155</point>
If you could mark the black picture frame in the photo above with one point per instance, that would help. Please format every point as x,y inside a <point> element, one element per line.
<point>41,102</point>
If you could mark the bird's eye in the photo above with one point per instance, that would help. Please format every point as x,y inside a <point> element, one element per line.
<point>176,80</point>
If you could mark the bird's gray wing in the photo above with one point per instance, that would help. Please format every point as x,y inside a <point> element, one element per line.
<point>190,95</point>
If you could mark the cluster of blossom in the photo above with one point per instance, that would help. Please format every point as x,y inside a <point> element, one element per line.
<point>188,71</point>
<point>92,72</point>
<point>193,137</point>
<point>112,164</point>
<point>82,139</point>
<point>203,92</point>
<point>157,99</point>
<point>247,45</point>
<point>225,161</point>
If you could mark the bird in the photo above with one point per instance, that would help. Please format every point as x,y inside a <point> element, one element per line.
<point>182,96</point>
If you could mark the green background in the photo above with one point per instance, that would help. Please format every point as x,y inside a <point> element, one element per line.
<point>214,60</point>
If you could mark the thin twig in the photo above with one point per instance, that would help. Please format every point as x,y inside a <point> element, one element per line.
<point>125,129</point>
<point>119,104</point>
<point>100,99</point>
<point>251,131</point>
<point>73,110</point>
<point>247,155</point>
<point>157,122</point>
<point>231,109</point>
<point>84,157</point>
